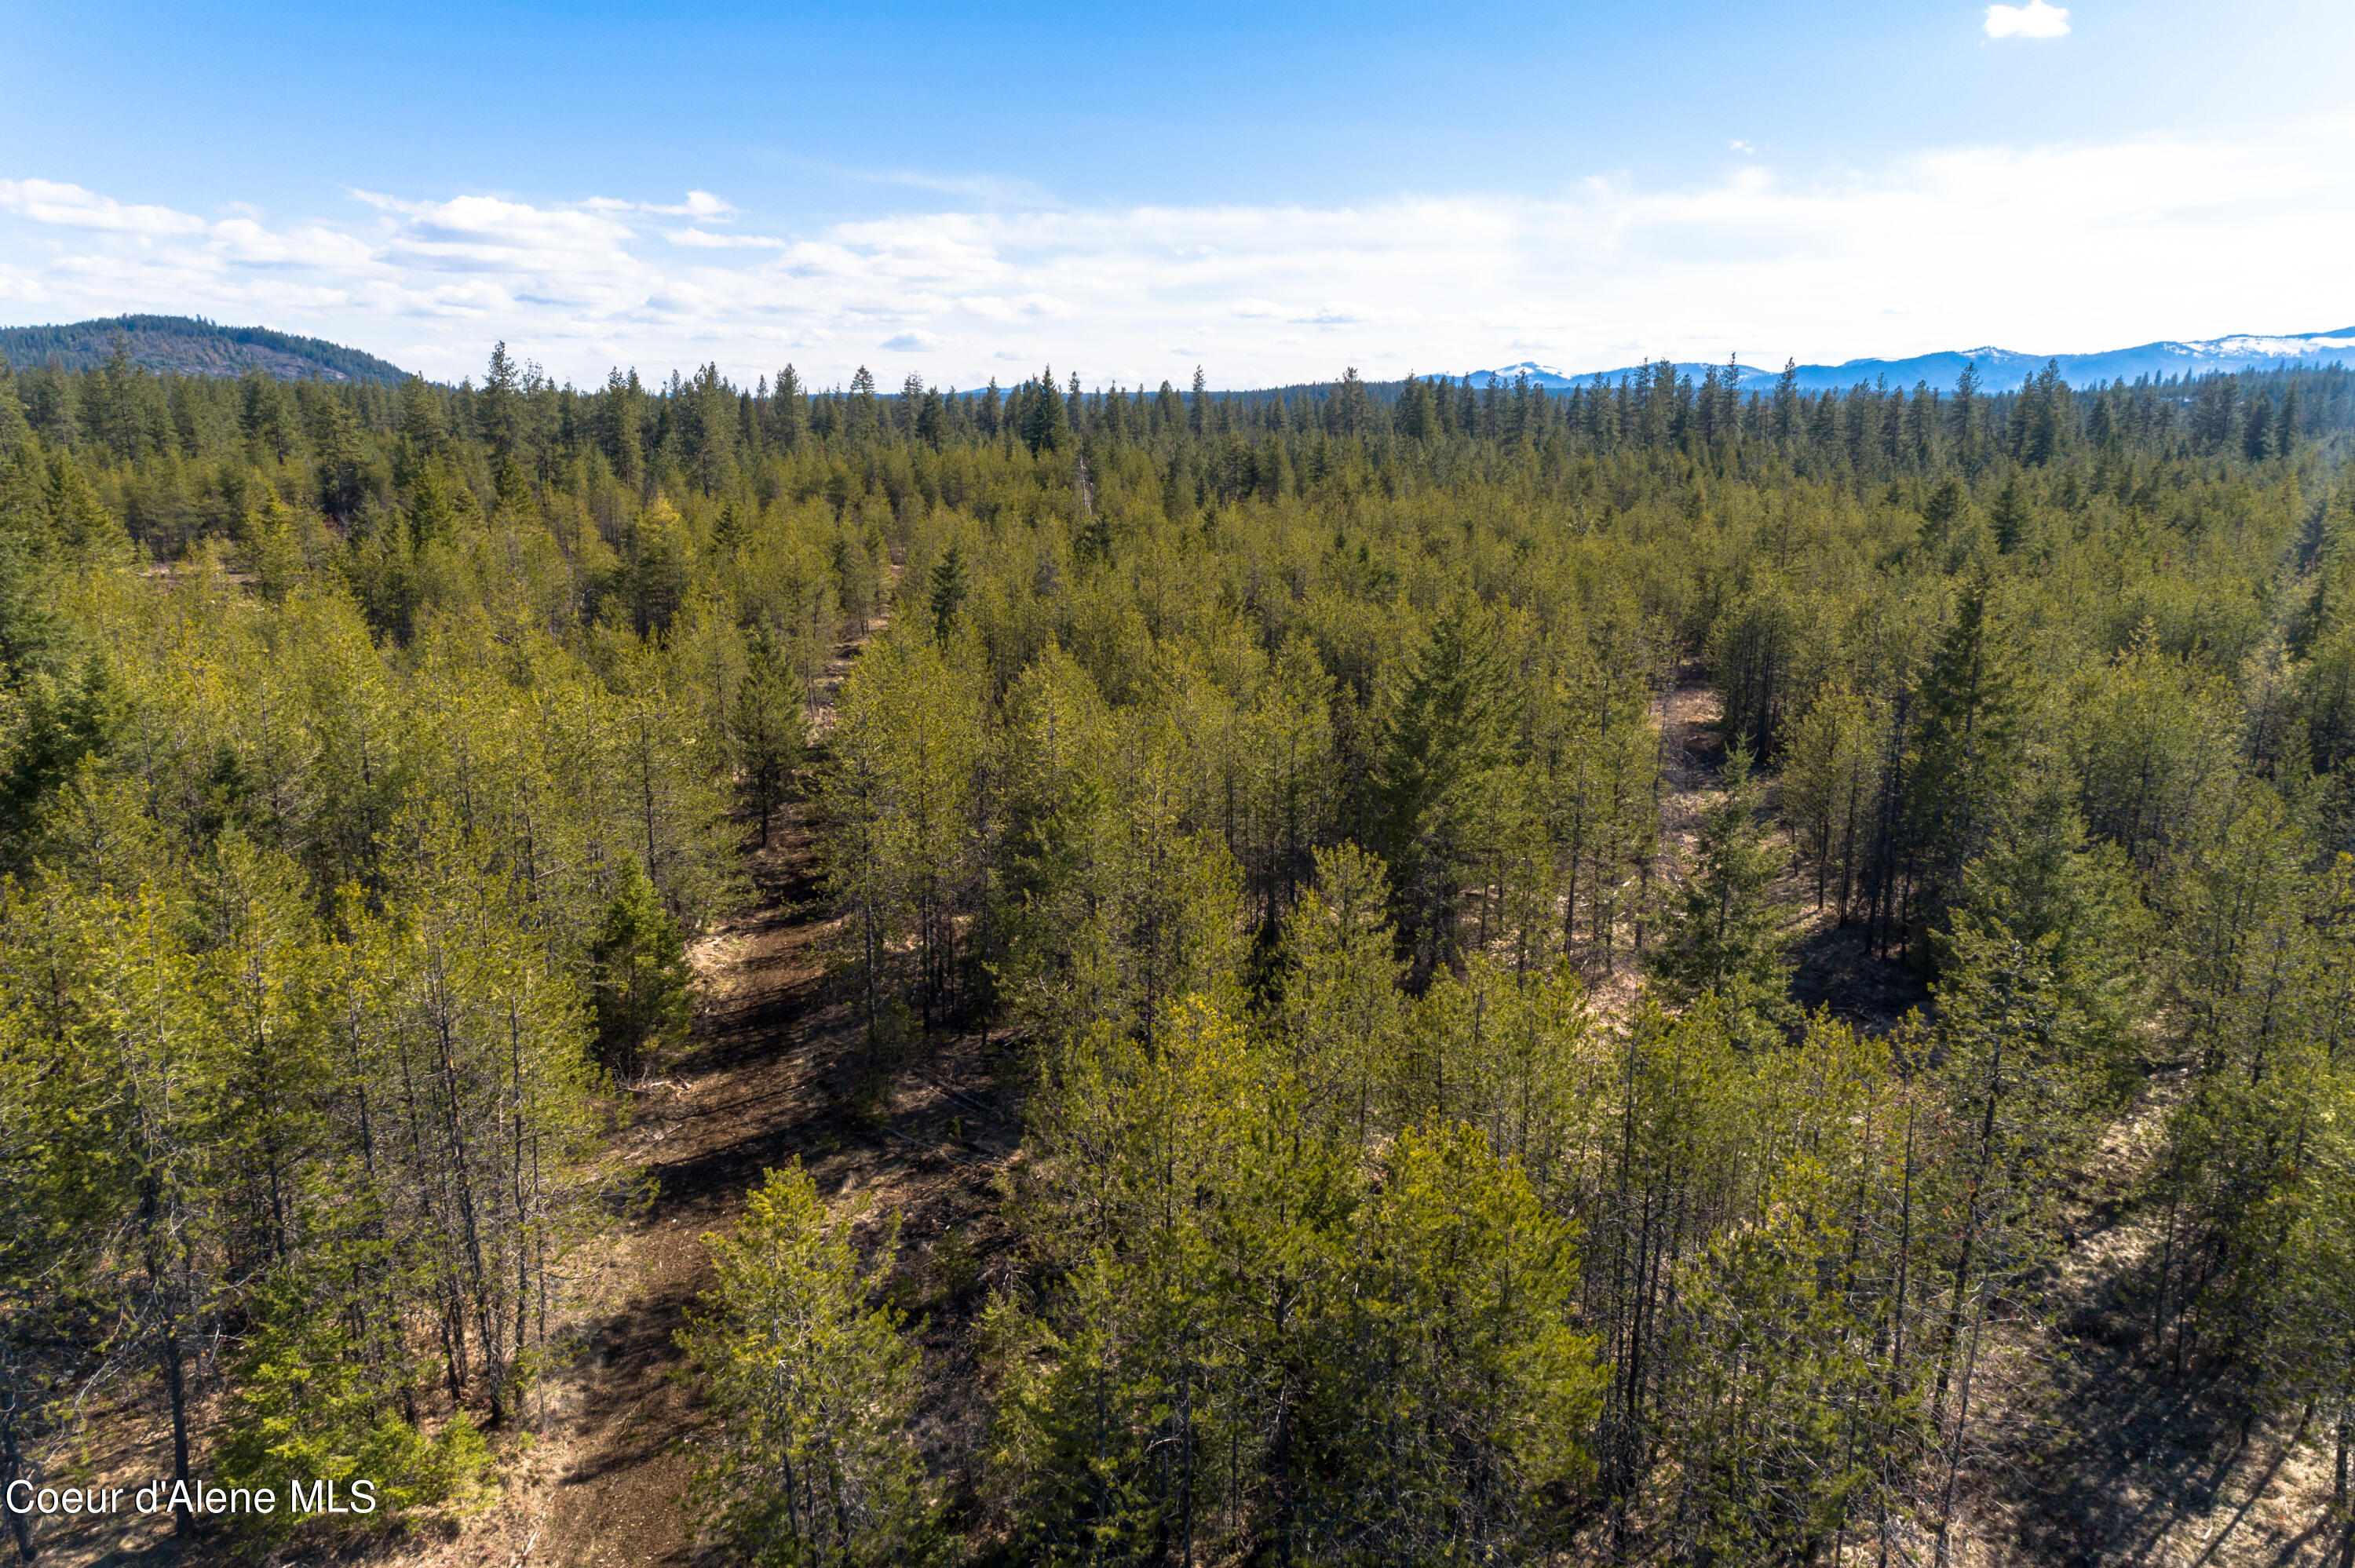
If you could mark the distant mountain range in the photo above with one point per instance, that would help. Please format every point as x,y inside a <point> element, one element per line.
<point>2002,369</point>
<point>189,345</point>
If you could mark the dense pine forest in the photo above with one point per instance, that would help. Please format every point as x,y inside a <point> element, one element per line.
<point>1436,1147</point>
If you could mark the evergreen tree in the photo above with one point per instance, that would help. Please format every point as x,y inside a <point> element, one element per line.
<point>2010,514</point>
<point>1964,755</point>
<point>949,588</point>
<point>1455,1388</point>
<point>788,409</point>
<point>1341,1005</point>
<point>1967,411</point>
<point>816,1463</point>
<point>640,977</point>
<point>2257,430</point>
<point>863,413</point>
<point>1787,402</point>
<point>1446,736</point>
<point>659,568</point>
<point>1725,934</point>
<point>769,728</point>
<point>65,720</point>
<point>1044,425</point>
<point>495,410</point>
<point>1832,786</point>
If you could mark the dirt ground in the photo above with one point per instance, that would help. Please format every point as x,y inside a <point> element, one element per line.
<point>772,1077</point>
<point>773,1080</point>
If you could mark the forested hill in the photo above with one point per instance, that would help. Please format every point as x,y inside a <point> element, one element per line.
<point>1426,1157</point>
<point>191,346</point>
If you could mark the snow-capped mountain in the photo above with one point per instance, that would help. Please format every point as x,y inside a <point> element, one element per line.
<point>1545,375</point>
<point>1555,379</point>
<point>2001,369</point>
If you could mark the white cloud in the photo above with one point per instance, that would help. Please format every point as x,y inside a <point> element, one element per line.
<point>71,207</point>
<point>475,233</point>
<point>993,189</point>
<point>246,241</point>
<point>698,203</point>
<point>1336,313</point>
<point>703,239</point>
<point>2036,19</point>
<point>383,202</point>
<point>1738,145</point>
<point>2122,242</point>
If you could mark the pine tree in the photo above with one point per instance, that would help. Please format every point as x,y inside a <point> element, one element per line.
<point>948,586</point>
<point>2257,430</point>
<point>1964,756</point>
<point>769,728</point>
<point>2010,514</point>
<point>788,409</point>
<point>2024,1082</point>
<point>1786,403</point>
<point>1457,1392</point>
<point>65,720</point>
<point>1724,933</point>
<point>1449,731</point>
<point>1045,426</point>
<point>864,412</point>
<point>496,408</point>
<point>1832,787</point>
<point>1340,992</point>
<point>1966,411</point>
<point>659,568</point>
<point>815,1463</point>
<point>640,977</point>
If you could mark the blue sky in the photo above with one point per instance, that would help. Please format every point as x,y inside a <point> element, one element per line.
<point>1271,191</point>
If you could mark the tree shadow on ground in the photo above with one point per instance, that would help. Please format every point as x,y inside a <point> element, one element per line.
<point>1834,968</point>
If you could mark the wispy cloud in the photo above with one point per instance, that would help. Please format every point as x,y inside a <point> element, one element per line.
<point>703,239</point>
<point>698,203</point>
<point>991,189</point>
<point>71,207</point>
<point>2034,20</point>
<point>2101,244</point>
